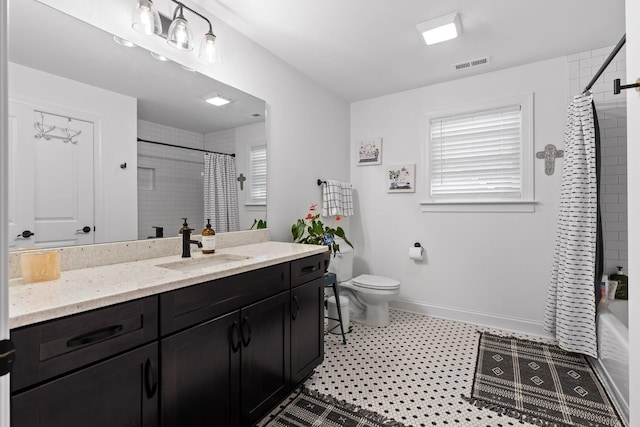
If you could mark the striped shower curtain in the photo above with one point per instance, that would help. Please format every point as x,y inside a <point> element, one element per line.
<point>577,261</point>
<point>220,192</point>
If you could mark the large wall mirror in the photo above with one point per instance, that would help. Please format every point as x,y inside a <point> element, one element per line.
<point>80,104</point>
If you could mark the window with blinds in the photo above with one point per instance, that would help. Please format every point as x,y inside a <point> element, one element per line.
<point>258,175</point>
<point>479,158</point>
<point>477,155</point>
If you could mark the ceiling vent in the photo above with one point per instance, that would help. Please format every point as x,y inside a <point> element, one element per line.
<point>471,63</point>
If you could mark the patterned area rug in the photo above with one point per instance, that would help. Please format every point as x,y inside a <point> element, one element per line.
<point>540,384</point>
<point>311,408</point>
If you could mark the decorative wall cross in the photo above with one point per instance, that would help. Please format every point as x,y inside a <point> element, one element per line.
<point>241,179</point>
<point>550,154</point>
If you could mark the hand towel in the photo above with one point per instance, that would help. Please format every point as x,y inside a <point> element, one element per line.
<point>337,198</point>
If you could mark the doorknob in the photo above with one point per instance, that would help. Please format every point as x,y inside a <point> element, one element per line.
<point>84,229</point>
<point>26,234</point>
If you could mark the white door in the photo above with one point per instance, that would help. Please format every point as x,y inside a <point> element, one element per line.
<point>50,179</point>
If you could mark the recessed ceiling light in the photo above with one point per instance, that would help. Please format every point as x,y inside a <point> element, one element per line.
<point>217,100</point>
<point>440,29</point>
<point>123,42</point>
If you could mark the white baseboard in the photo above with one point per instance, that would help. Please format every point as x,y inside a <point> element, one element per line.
<point>513,324</point>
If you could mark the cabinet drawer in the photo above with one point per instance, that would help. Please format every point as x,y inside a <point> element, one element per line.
<point>195,304</point>
<point>49,349</point>
<point>307,269</point>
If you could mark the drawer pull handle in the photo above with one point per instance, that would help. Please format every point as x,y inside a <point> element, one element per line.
<point>235,337</point>
<point>294,313</point>
<point>246,339</point>
<point>310,268</point>
<point>150,376</point>
<point>94,336</point>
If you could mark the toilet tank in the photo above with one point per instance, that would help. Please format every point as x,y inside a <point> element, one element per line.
<point>342,263</point>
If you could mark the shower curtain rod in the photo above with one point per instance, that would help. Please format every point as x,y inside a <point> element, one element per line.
<point>184,148</point>
<point>612,55</point>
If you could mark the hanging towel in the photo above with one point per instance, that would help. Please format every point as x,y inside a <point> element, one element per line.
<point>337,198</point>
<point>570,313</point>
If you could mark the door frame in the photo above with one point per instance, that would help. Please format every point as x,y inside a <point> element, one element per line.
<point>4,248</point>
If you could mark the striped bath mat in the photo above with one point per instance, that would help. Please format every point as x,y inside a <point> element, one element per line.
<point>540,384</point>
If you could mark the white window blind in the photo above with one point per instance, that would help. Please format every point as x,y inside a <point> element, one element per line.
<point>258,175</point>
<point>477,155</point>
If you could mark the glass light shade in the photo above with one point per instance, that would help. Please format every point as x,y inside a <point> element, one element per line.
<point>208,48</point>
<point>179,35</point>
<point>145,19</point>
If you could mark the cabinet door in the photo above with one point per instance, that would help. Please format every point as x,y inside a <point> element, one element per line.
<point>200,374</point>
<point>122,391</point>
<point>265,366</point>
<point>307,325</point>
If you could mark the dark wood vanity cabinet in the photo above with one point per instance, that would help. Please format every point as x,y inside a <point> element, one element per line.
<point>307,316</point>
<point>228,371</point>
<point>221,353</point>
<point>231,364</point>
<point>98,368</point>
<point>121,391</point>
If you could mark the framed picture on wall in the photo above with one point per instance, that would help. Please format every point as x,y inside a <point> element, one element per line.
<point>401,178</point>
<point>370,152</point>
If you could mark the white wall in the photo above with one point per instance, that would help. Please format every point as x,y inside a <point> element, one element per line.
<point>307,126</point>
<point>491,268</point>
<point>116,209</point>
<point>633,155</point>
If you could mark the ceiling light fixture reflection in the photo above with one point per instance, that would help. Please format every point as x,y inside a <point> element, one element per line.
<point>159,57</point>
<point>441,29</point>
<point>217,100</point>
<point>124,42</point>
<point>145,19</point>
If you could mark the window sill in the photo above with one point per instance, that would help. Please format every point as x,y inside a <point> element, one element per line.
<point>479,206</point>
<point>255,206</point>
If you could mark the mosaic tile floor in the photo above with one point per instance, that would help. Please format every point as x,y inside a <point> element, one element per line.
<point>413,371</point>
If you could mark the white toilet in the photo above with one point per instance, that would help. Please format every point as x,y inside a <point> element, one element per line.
<point>368,295</point>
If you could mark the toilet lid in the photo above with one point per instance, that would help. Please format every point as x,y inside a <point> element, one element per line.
<point>375,282</point>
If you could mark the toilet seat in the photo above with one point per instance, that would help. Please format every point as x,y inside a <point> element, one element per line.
<point>368,281</point>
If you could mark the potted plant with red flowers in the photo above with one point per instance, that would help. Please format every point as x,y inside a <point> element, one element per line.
<point>312,231</point>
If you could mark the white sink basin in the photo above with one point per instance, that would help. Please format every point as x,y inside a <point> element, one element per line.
<point>192,264</point>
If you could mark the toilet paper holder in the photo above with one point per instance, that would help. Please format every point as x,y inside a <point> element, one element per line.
<point>416,253</point>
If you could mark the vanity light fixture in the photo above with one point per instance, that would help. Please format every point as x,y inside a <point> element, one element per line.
<point>145,19</point>
<point>179,34</point>
<point>217,100</point>
<point>441,29</point>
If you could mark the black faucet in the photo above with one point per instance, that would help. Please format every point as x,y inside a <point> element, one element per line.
<point>187,242</point>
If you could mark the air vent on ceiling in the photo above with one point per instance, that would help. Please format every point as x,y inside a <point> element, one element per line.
<point>471,63</point>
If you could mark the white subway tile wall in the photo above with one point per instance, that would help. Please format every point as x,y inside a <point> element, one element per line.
<point>612,116</point>
<point>170,184</point>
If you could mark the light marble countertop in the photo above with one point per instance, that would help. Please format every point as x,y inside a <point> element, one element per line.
<point>90,288</point>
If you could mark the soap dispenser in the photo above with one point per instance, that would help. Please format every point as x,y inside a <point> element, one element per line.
<point>184,227</point>
<point>208,239</point>
<point>622,291</point>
